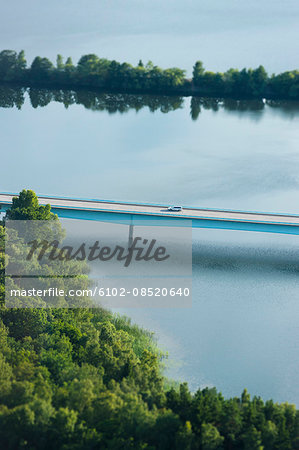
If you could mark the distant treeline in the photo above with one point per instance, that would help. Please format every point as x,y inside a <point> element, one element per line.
<point>100,73</point>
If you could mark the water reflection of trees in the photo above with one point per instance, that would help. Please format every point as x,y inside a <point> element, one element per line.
<point>229,104</point>
<point>112,103</point>
<point>11,97</point>
<point>290,108</point>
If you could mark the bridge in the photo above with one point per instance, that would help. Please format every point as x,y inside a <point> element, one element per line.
<point>142,214</point>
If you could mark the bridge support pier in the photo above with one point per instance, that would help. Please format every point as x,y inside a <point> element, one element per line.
<point>131,233</point>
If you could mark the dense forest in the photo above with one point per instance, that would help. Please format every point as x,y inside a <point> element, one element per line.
<point>99,73</point>
<point>84,378</point>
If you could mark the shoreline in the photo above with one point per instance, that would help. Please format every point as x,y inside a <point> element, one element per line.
<point>179,92</point>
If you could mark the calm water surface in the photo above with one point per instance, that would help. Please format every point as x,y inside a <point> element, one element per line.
<point>242,330</point>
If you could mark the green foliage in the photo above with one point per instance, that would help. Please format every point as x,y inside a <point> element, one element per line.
<point>198,71</point>
<point>59,62</point>
<point>26,207</point>
<point>69,68</point>
<point>285,85</point>
<point>21,61</point>
<point>210,437</point>
<point>41,69</point>
<point>240,84</point>
<point>12,65</point>
<point>94,72</point>
<point>85,378</point>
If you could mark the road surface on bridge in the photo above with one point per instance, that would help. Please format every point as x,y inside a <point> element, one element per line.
<point>160,210</point>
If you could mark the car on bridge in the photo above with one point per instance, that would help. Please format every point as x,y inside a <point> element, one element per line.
<point>175,208</point>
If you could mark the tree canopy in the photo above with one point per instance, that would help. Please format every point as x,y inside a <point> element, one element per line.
<point>101,73</point>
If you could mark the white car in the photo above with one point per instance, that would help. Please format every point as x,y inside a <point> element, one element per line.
<point>175,208</point>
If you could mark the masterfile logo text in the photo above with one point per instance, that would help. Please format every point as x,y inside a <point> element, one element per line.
<point>53,261</point>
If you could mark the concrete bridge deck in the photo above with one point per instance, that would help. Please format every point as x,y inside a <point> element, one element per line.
<point>201,217</point>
